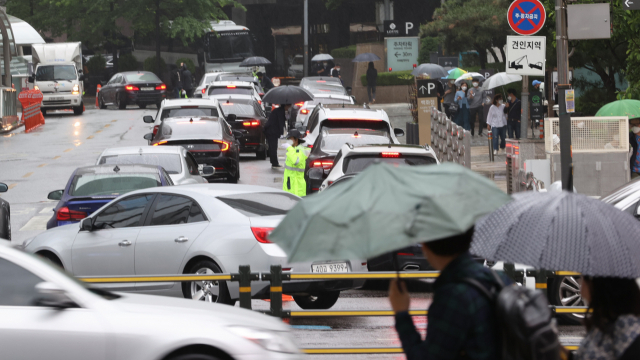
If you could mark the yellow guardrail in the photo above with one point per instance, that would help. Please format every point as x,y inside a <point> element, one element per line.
<point>363,276</point>
<point>165,278</point>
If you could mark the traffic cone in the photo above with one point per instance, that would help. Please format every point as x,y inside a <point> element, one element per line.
<point>97,91</point>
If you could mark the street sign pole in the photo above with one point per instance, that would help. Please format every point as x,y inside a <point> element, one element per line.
<point>306,38</point>
<point>563,84</point>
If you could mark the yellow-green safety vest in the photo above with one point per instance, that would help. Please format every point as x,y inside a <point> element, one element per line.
<point>293,181</point>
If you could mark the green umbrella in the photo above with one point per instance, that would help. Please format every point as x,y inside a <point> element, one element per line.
<point>630,108</point>
<point>386,208</point>
<point>455,73</point>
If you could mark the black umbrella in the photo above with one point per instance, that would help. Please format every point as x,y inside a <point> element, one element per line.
<point>565,231</point>
<point>366,57</point>
<point>288,94</point>
<point>254,61</point>
<point>434,71</point>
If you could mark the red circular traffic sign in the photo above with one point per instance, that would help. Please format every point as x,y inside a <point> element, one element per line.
<point>526,17</point>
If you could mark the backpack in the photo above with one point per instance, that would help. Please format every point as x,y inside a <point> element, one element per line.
<point>527,330</point>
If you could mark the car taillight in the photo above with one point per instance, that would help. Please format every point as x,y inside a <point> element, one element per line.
<point>261,94</point>
<point>310,146</point>
<point>308,134</point>
<point>155,130</point>
<point>224,146</point>
<point>160,143</point>
<point>64,214</point>
<point>131,88</point>
<point>390,155</point>
<point>261,234</point>
<point>273,107</point>
<point>325,164</point>
<point>299,104</point>
<point>304,111</point>
<point>203,90</point>
<point>231,86</point>
<point>251,123</point>
<point>161,87</point>
<point>260,102</point>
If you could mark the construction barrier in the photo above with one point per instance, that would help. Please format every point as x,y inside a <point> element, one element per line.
<point>97,92</point>
<point>31,101</point>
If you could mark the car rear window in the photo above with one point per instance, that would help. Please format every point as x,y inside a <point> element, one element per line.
<point>261,204</point>
<point>238,109</point>
<point>193,130</point>
<point>142,77</point>
<point>170,162</point>
<point>326,101</point>
<point>355,124</point>
<point>189,111</point>
<point>112,184</point>
<point>334,142</point>
<point>357,164</point>
<point>231,91</point>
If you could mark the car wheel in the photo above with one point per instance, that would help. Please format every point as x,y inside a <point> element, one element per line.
<point>78,110</point>
<point>120,102</point>
<point>52,258</point>
<point>142,106</point>
<point>324,300</point>
<point>193,357</point>
<point>101,103</point>
<point>235,179</point>
<point>565,291</point>
<point>208,291</point>
<point>7,226</point>
<point>261,154</point>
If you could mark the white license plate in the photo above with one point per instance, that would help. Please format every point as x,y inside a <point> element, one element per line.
<point>147,89</point>
<point>56,98</point>
<point>330,268</point>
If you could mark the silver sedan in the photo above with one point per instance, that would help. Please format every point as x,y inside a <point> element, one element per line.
<point>44,314</point>
<point>202,229</point>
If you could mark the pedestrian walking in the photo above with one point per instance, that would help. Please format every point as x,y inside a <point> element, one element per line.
<point>476,108</point>
<point>273,130</point>
<point>462,117</point>
<point>265,82</point>
<point>372,79</point>
<point>461,323</point>
<point>634,140</point>
<point>187,81</point>
<point>294,165</point>
<point>497,123</point>
<point>613,326</point>
<point>176,80</point>
<point>449,97</point>
<point>513,109</point>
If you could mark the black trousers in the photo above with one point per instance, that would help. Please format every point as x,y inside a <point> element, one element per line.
<point>272,140</point>
<point>472,119</point>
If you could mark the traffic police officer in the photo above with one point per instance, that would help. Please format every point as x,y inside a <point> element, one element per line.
<point>293,181</point>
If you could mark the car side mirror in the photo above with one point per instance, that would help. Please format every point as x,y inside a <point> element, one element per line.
<point>55,195</point>
<point>316,174</point>
<point>207,170</point>
<point>52,295</point>
<point>31,79</point>
<point>148,119</point>
<point>86,224</point>
<point>237,134</point>
<point>398,132</point>
<point>231,117</point>
<point>81,77</point>
<point>3,187</point>
<point>148,136</point>
<point>349,90</point>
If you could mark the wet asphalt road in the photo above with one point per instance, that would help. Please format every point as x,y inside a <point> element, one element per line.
<point>39,162</point>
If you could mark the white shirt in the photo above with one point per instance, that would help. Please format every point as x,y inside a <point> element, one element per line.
<point>497,117</point>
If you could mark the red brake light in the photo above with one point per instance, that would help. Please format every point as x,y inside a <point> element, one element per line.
<point>251,123</point>
<point>160,143</point>
<point>390,155</point>
<point>321,81</point>
<point>223,144</point>
<point>325,164</point>
<point>299,104</point>
<point>261,94</point>
<point>204,90</point>
<point>231,86</point>
<point>304,111</point>
<point>64,214</point>
<point>260,102</point>
<point>161,87</point>
<point>308,134</point>
<point>155,130</point>
<point>261,234</point>
<point>131,88</point>
<point>405,254</point>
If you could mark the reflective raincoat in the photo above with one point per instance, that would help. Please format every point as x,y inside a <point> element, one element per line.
<point>294,171</point>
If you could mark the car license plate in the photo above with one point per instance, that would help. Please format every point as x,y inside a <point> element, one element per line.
<point>146,89</point>
<point>330,268</point>
<point>56,98</point>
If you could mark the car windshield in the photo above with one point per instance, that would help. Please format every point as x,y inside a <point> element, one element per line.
<point>192,130</point>
<point>207,79</point>
<point>170,162</point>
<point>354,124</point>
<point>327,89</point>
<point>56,72</point>
<point>142,77</point>
<point>261,204</point>
<point>112,184</point>
<point>357,164</point>
<point>238,109</point>
<point>229,46</point>
<point>333,143</point>
<point>194,111</point>
<point>230,90</point>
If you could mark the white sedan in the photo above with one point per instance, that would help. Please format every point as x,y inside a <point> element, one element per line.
<point>45,314</point>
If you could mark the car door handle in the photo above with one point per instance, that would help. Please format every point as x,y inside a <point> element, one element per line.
<point>181,239</point>
<point>124,243</point>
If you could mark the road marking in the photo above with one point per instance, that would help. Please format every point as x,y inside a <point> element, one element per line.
<point>42,165</point>
<point>99,131</point>
<point>27,174</point>
<point>311,327</point>
<point>46,210</point>
<point>36,223</point>
<point>107,125</point>
<point>114,120</point>
<point>68,150</point>
<point>11,186</point>
<point>90,137</point>
<point>56,157</point>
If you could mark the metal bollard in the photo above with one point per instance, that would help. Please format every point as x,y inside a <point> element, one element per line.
<point>276,290</point>
<point>245,286</point>
<point>490,139</point>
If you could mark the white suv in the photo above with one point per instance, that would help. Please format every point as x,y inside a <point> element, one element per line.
<point>352,160</point>
<point>222,90</point>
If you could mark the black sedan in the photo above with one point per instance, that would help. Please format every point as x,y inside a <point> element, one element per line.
<point>247,117</point>
<point>5,215</point>
<point>209,139</point>
<point>328,144</point>
<point>132,87</point>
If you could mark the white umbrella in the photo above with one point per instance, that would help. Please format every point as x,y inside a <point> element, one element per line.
<point>322,57</point>
<point>469,76</point>
<point>500,79</point>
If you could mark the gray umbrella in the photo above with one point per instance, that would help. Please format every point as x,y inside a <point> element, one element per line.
<point>322,57</point>
<point>434,71</point>
<point>561,231</point>
<point>254,61</point>
<point>366,57</point>
<point>288,94</point>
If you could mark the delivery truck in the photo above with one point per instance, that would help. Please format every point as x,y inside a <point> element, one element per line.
<point>58,75</point>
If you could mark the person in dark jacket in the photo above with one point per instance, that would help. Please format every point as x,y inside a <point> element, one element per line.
<point>372,79</point>
<point>265,82</point>
<point>513,109</point>
<point>634,140</point>
<point>187,81</point>
<point>461,323</point>
<point>273,130</point>
<point>176,80</point>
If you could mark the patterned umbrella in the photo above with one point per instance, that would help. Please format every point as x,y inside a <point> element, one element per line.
<point>630,108</point>
<point>565,231</point>
<point>455,73</point>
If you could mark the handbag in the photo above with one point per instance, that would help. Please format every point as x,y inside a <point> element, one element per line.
<point>453,108</point>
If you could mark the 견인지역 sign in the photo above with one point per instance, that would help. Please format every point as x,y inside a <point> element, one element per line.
<point>526,17</point>
<point>526,55</point>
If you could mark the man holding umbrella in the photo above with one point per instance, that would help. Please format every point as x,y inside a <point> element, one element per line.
<point>273,130</point>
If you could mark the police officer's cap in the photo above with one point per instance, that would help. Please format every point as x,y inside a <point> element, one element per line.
<point>295,134</point>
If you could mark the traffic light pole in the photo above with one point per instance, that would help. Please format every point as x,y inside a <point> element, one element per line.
<point>306,38</point>
<point>562,48</point>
